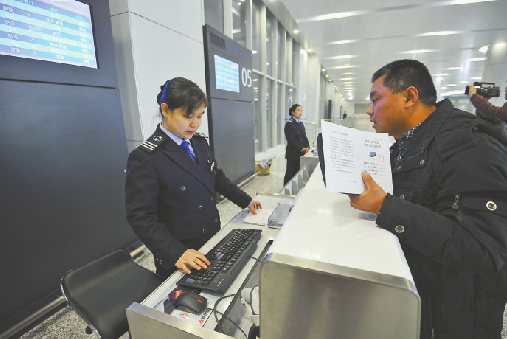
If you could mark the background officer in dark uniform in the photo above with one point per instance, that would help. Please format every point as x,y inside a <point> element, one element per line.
<point>171,183</point>
<point>297,142</point>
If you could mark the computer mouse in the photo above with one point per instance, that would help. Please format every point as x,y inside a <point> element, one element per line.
<point>190,302</point>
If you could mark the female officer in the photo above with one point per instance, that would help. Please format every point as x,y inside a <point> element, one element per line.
<point>297,142</point>
<point>171,183</point>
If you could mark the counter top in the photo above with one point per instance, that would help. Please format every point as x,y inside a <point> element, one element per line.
<point>324,227</point>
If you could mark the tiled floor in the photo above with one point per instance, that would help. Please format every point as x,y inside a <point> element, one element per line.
<point>67,324</point>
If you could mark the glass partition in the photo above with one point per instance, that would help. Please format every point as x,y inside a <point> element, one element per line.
<point>257,113</point>
<point>239,22</point>
<point>269,113</point>
<point>270,37</point>
<point>281,51</point>
<point>256,35</point>
<point>214,14</point>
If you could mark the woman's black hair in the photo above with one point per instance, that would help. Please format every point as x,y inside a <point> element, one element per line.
<point>292,109</point>
<point>181,93</point>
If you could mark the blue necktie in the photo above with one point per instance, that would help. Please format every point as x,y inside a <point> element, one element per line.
<point>186,147</point>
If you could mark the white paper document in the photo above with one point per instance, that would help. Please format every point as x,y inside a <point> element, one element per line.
<point>261,218</point>
<point>348,151</point>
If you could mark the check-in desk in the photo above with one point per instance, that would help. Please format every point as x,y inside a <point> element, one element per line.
<point>329,273</point>
<point>332,273</point>
<point>145,322</point>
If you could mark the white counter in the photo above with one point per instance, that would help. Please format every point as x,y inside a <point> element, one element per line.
<point>323,227</point>
<point>331,273</point>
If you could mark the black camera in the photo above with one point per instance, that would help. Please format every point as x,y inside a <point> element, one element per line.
<point>485,89</point>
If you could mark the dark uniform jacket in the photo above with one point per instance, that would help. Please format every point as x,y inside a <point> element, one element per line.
<point>449,211</point>
<point>170,199</point>
<point>295,134</point>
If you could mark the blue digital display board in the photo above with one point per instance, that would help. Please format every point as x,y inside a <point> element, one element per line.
<point>57,31</point>
<point>226,74</point>
<point>228,67</point>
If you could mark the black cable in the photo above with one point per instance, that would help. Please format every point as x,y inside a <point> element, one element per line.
<point>237,326</point>
<point>255,331</point>
<point>251,299</point>
<point>256,259</point>
<point>215,311</point>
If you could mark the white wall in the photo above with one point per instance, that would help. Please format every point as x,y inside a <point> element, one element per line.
<point>495,70</point>
<point>349,107</point>
<point>361,119</point>
<point>154,43</point>
<point>309,86</point>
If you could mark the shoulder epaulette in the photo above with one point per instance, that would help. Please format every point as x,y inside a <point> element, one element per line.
<point>151,144</point>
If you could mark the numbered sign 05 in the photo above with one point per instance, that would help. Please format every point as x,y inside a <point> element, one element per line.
<point>246,77</point>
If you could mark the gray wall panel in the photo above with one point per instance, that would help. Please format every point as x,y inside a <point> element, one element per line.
<point>62,176</point>
<point>233,137</point>
<point>62,179</point>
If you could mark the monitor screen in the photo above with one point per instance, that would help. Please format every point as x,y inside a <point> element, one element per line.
<point>53,30</point>
<point>226,74</point>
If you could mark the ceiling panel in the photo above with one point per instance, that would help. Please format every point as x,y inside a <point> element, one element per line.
<point>355,38</point>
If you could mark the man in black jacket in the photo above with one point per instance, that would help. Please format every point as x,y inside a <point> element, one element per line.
<point>449,207</point>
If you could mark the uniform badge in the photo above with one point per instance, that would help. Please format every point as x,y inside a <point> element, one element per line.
<point>211,165</point>
<point>152,143</point>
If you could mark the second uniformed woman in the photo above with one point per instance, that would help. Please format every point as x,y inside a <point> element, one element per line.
<point>171,183</point>
<point>297,142</point>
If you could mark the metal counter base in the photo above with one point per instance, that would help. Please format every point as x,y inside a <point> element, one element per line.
<point>145,322</point>
<point>332,273</point>
<point>321,300</point>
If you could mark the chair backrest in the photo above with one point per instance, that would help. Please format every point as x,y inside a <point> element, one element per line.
<point>101,291</point>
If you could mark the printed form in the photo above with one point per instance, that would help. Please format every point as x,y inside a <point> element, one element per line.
<point>348,151</point>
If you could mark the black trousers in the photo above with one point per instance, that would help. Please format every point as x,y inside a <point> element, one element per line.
<point>293,166</point>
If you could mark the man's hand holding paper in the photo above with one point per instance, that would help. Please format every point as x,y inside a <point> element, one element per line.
<point>371,199</point>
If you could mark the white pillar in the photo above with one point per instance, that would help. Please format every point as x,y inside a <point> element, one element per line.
<point>495,70</point>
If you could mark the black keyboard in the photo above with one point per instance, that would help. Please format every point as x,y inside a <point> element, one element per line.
<point>227,259</point>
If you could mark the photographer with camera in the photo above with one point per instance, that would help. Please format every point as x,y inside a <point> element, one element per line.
<point>479,98</point>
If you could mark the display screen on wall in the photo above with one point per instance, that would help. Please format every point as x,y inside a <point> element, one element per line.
<point>53,30</point>
<point>226,74</point>
<point>228,67</point>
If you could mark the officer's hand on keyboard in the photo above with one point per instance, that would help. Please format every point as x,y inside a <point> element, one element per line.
<point>227,257</point>
<point>192,259</point>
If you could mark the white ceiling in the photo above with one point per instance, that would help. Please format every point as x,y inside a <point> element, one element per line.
<point>355,38</point>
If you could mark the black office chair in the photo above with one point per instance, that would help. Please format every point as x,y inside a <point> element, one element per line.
<point>101,291</point>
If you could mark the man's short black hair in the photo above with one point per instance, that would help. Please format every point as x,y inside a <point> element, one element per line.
<point>401,74</point>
